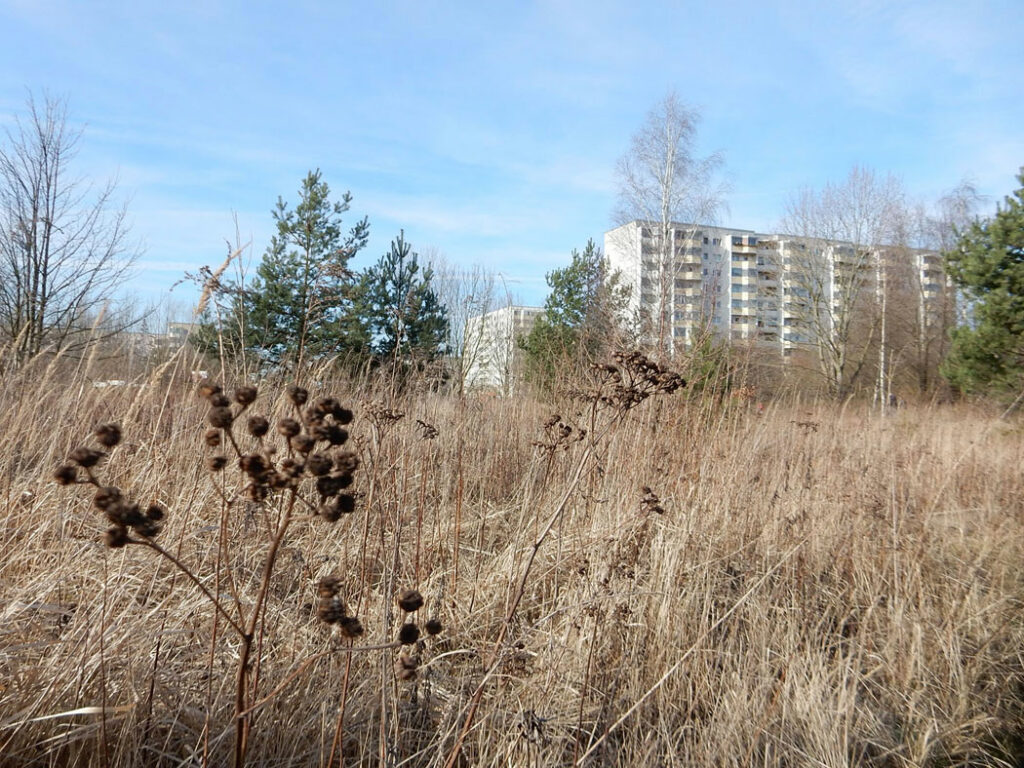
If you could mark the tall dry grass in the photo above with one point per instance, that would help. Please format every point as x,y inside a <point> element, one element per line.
<point>805,586</point>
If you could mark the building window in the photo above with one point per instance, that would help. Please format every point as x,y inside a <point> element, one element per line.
<point>705,243</point>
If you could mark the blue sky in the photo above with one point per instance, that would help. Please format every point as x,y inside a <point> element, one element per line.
<point>490,131</point>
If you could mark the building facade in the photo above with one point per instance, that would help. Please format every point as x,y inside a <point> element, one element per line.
<point>491,355</point>
<point>778,291</point>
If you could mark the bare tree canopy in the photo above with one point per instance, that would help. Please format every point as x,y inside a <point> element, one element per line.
<point>836,257</point>
<point>664,181</point>
<point>63,243</point>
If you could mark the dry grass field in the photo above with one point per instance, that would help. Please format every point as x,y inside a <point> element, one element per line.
<point>689,583</point>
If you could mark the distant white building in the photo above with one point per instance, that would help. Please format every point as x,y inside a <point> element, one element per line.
<point>491,355</point>
<point>737,284</point>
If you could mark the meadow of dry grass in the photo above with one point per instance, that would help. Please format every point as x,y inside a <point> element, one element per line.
<point>806,586</point>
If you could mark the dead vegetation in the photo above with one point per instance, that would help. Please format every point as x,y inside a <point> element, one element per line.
<point>676,582</point>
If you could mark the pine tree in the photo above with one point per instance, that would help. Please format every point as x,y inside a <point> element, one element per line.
<point>987,354</point>
<point>582,315</point>
<point>301,305</point>
<point>403,315</point>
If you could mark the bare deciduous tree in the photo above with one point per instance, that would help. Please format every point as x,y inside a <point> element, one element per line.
<point>63,243</point>
<point>663,181</point>
<point>467,293</point>
<point>832,265</point>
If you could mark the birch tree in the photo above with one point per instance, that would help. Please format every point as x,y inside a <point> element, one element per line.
<point>663,181</point>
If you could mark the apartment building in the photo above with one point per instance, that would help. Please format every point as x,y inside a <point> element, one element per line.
<point>491,355</point>
<point>774,290</point>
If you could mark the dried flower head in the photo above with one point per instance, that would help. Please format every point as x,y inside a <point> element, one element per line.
<point>289,427</point>
<point>116,537</point>
<point>108,435</point>
<point>328,586</point>
<point>245,395</point>
<point>350,627</point>
<point>410,600</point>
<point>207,390</point>
<point>106,497</point>
<point>258,426</point>
<point>220,417</point>
<point>297,395</point>
<point>408,634</point>
<point>342,415</point>
<point>433,627</point>
<point>66,474</point>
<point>319,464</point>
<point>155,512</point>
<point>346,503</point>
<point>86,457</point>
<point>212,438</point>
<point>217,463</point>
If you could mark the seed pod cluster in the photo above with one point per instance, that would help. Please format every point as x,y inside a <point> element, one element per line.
<point>331,608</point>
<point>314,436</point>
<point>124,515</point>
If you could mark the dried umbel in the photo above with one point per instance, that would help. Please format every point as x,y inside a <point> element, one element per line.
<point>427,431</point>
<point>558,435</point>
<point>629,381</point>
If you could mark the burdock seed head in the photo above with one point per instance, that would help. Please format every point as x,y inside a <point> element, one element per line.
<point>220,417</point>
<point>106,497</point>
<point>86,457</point>
<point>258,426</point>
<point>408,634</point>
<point>207,390</point>
<point>297,395</point>
<point>319,464</point>
<point>217,463</point>
<point>410,600</point>
<point>325,406</point>
<point>406,666</point>
<point>433,627</point>
<point>346,503</point>
<point>350,627</point>
<point>220,400</point>
<point>212,437</point>
<point>328,586</point>
<point>245,395</point>
<point>342,415</point>
<point>108,435</point>
<point>331,610</point>
<point>346,461</point>
<point>116,537</point>
<point>303,443</point>
<point>155,512</point>
<point>65,474</point>
<point>289,427</point>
